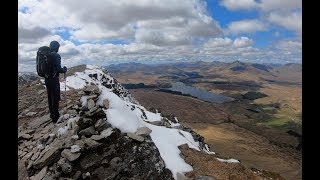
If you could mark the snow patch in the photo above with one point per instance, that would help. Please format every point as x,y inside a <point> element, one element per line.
<point>228,160</point>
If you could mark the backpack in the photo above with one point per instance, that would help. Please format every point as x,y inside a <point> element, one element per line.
<point>44,62</point>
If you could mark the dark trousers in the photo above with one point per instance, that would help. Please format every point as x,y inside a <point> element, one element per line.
<point>53,90</point>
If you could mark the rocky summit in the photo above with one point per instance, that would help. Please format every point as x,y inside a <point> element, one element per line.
<point>104,133</point>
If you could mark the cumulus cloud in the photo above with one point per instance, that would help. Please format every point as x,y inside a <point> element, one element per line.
<point>246,26</point>
<point>268,5</point>
<point>291,21</point>
<point>242,42</point>
<point>218,42</point>
<point>239,4</point>
<point>30,35</point>
<point>98,20</point>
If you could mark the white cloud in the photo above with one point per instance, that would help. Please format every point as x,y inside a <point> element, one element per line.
<point>218,42</point>
<point>242,42</point>
<point>292,21</point>
<point>98,20</point>
<point>267,5</point>
<point>239,4</point>
<point>246,26</point>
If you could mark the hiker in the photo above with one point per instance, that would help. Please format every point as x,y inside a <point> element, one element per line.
<point>52,82</point>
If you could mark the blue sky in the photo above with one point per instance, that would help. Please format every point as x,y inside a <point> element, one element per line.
<point>105,31</point>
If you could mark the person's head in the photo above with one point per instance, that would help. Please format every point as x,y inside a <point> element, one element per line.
<point>54,46</point>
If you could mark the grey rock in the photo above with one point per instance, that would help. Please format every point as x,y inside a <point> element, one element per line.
<point>24,136</point>
<point>66,153</point>
<point>28,156</point>
<point>87,144</point>
<point>143,131</point>
<point>75,149</point>
<point>204,178</point>
<point>81,93</point>
<point>115,161</point>
<point>91,104</point>
<point>65,165</point>
<point>97,137</point>
<point>106,104</point>
<point>35,156</point>
<point>31,113</point>
<point>39,122</point>
<point>85,175</point>
<point>49,157</point>
<point>22,170</point>
<point>156,123</point>
<point>101,125</point>
<point>41,174</point>
<point>93,97</point>
<point>88,131</point>
<point>77,175</point>
<point>91,88</point>
<point>106,132</point>
<point>135,137</point>
<point>72,112</point>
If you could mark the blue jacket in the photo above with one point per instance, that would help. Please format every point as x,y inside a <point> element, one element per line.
<point>54,46</point>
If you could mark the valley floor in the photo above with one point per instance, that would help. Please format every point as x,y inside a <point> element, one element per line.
<point>254,150</point>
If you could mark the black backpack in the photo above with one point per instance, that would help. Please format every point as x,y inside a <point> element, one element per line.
<point>44,62</point>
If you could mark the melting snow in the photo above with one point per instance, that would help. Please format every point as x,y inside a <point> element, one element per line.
<point>121,116</point>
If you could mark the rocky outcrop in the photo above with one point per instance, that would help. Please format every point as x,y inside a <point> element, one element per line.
<point>85,146</point>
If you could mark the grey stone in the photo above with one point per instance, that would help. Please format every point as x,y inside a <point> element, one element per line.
<point>77,175</point>
<point>28,156</point>
<point>85,175</point>
<point>135,137</point>
<point>92,97</point>
<point>41,174</point>
<point>66,153</point>
<point>101,125</point>
<point>39,122</point>
<point>106,104</point>
<point>143,131</point>
<point>97,137</point>
<point>91,104</point>
<point>156,123</point>
<point>31,113</point>
<point>49,157</point>
<point>87,144</point>
<point>35,156</point>
<point>24,136</point>
<point>22,170</point>
<point>88,131</point>
<point>90,89</point>
<point>81,93</point>
<point>72,112</point>
<point>75,149</point>
<point>106,132</point>
<point>65,165</point>
<point>115,161</point>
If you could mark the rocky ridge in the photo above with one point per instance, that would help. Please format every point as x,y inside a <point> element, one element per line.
<point>84,145</point>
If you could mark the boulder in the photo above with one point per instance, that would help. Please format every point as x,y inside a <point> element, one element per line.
<point>75,149</point>
<point>144,131</point>
<point>135,137</point>
<point>50,156</point>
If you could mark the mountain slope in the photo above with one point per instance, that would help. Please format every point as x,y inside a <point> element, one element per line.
<point>104,134</point>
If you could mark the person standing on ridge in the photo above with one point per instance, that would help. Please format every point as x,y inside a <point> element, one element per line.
<point>52,82</point>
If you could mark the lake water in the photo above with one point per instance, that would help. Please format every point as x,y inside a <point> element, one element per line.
<point>200,94</point>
